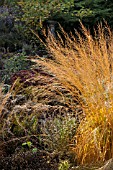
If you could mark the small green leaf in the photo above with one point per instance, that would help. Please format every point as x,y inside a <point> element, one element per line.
<point>29,143</point>
<point>34,150</point>
<point>23,144</point>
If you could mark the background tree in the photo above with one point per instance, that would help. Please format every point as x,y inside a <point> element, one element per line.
<point>36,12</point>
<point>93,11</point>
<point>67,13</point>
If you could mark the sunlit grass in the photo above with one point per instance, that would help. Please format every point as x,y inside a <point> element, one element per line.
<point>84,65</point>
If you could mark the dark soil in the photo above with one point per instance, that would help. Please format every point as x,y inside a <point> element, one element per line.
<point>28,161</point>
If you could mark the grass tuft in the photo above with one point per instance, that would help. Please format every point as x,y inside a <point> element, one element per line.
<point>84,65</point>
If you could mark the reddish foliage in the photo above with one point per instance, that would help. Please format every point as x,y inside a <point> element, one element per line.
<point>32,77</point>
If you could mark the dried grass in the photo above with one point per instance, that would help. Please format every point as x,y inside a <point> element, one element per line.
<point>84,65</point>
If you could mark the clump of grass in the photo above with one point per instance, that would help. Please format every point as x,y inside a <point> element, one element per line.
<point>84,65</point>
<point>3,98</point>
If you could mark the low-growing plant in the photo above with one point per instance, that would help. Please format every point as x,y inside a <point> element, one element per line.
<point>84,65</point>
<point>57,133</point>
<point>29,145</point>
<point>64,165</point>
<point>13,65</point>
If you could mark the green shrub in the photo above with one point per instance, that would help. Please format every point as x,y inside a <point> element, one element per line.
<point>57,134</point>
<point>11,29</point>
<point>36,12</point>
<point>13,65</point>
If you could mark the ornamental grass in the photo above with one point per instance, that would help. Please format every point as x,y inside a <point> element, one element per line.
<point>84,65</point>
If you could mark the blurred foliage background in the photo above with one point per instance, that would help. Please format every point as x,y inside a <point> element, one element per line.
<point>17,17</point>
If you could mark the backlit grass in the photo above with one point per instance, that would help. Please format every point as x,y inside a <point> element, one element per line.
<point>84,65</point>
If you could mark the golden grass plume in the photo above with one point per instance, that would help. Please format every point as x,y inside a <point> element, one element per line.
<point>84,65</point>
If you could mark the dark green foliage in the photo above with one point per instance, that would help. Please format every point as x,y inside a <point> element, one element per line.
<point>2,2</point>
<point>8,2</point>
<point>36,12</point>
<point>18,17</point>
<point>13,65</point>
<point>93,11</point>
<point>11,31</point>
<point>67,13</point>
